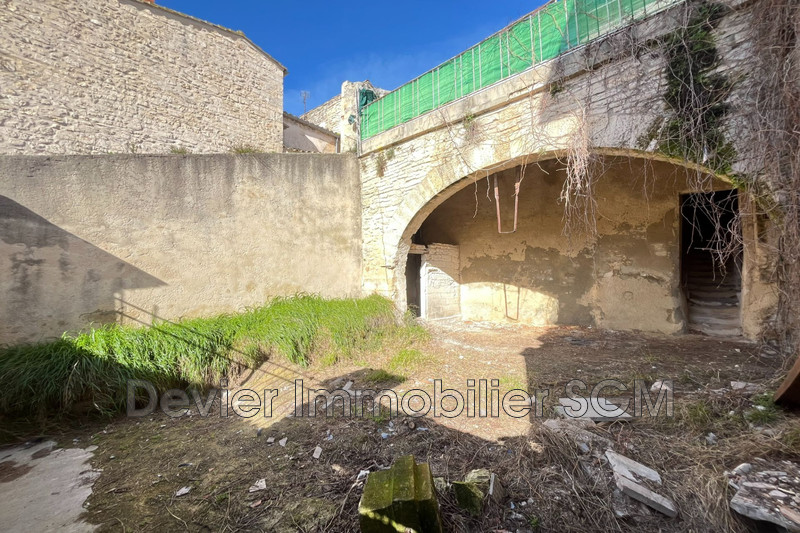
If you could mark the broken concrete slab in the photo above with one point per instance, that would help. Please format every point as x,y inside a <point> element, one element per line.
<point>49,488</point>
<point>770,493</point>
<point>626,507</point>
<point>631,469</point>
<point>595,409</point>
<point>743,387</point>
<point>642,494</point>
<point>400,498</point>
<point>573,430</point>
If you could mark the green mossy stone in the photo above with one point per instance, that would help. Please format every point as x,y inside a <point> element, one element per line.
<point>400,499</point>
<point>469,497</point>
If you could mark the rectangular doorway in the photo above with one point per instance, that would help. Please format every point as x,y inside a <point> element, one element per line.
<point>711,262</point>
<point>413,284</point>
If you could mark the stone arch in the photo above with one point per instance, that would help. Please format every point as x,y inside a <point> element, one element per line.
<point>434,191</point>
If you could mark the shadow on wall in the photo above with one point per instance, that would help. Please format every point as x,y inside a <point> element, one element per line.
<point>53,281</point>
<point>531,276</point>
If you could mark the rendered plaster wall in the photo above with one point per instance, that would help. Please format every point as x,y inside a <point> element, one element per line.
<point>627,278</point>
<point>300,136</point>
<point>440,281</point>
<point>123,76</point>
<point>104,239</point>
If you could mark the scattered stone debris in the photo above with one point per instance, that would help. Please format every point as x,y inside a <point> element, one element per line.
<point>660,385</point>
<point>629,476</point>
<point>742,387</point>
<point>574,429</point>
<point>401,498</point>
<point>183,491</point>
<point>270,440</point>
<point>283,441</point>
<point>768,495</point>
<point>595,409</point>
<point>646,496</point>
<point>259,485</point>
<point>630,468</point>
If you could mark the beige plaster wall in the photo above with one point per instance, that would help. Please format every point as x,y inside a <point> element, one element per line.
<point>129,238</point>
<point>627,278</point>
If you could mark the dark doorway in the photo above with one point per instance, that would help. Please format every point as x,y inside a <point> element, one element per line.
<point>413,283</point>
<point>711,262</point>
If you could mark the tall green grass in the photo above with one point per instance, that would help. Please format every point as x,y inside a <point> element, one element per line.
<point>95,366</point>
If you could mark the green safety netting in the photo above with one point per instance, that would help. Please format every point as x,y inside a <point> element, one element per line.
<point>542,35</point>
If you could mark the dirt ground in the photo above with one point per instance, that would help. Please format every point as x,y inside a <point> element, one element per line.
<point>551,485</point>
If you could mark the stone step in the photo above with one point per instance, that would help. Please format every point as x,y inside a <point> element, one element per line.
<point>716,331</point>
<point>714,302</point>
<point>714,295</point>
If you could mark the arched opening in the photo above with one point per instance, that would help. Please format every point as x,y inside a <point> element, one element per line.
<point>627,276</point>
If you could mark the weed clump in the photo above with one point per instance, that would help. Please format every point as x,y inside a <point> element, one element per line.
<point>94,367</point>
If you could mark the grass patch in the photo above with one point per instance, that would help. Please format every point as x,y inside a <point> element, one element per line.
<point>510,382</point>
<point>377,377</point>
<point>764,410</point>
<point>96,366</point>
<point>245,149</point>
<point>697,415</point>
<point>408,359</point>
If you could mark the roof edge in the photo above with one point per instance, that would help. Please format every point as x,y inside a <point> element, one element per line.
<point>310,124</point>
<point>238,34</point>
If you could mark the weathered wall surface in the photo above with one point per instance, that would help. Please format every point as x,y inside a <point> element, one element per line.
<point>122,76</point>
<point>603,99</point>
<point>302,136</point>
<point>626,278</point>
<point>440,281</point>
<point>129,238</point>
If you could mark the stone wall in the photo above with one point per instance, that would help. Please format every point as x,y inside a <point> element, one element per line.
<point>334,114</point>
<point>130,238</point>
<point>123,76</point>
<point>603,99</point>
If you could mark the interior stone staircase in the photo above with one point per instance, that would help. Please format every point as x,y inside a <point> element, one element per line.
<point>713,295</point>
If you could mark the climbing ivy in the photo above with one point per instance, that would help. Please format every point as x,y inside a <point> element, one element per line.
<point>696,94</point>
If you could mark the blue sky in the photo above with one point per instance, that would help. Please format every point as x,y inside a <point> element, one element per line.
<point>323,44</point>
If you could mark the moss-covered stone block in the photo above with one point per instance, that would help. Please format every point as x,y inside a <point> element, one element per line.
<point>400,499</point>
<point>469,497</point>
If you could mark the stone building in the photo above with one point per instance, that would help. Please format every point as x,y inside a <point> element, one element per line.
<point>339,114</point>
<point>127,76</point>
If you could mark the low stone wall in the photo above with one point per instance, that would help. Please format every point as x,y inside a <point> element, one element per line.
<point>99,239</point>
